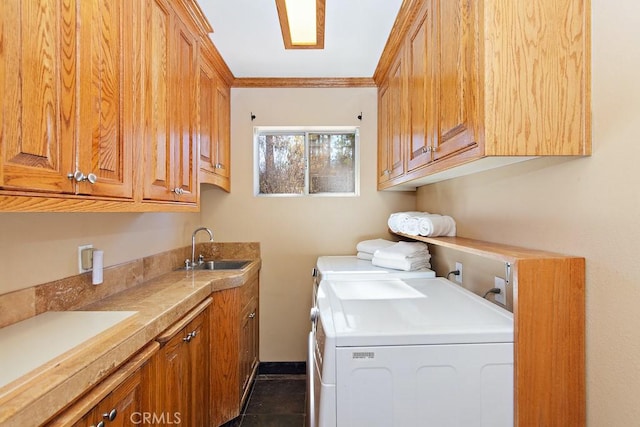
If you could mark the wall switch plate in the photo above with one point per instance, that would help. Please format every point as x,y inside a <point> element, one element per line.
<point>502,296</point>
<point>85,258</point>
<point>458,277</point>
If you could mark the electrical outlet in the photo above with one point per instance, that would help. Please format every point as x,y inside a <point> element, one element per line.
<point>502,296</point>
<point>80,249</point>
<point>458,277</point>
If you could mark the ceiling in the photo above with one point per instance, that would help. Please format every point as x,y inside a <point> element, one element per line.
<point>247,35</point>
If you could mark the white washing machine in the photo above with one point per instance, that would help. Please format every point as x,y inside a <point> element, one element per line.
<point>346,269</point>
<point>410,352</point>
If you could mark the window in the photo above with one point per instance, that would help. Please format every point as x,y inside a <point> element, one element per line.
<point>300,161</point>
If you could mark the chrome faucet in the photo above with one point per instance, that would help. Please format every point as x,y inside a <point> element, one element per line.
<point>192,263</point>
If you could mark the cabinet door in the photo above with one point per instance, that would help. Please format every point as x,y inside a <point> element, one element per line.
<point>174,379</point>
<point>119,408</point>
<point>214,134</point>
<point>105,149</point>
<point>225,321</point>
<point>421,90</point>
<point>198,351</point>
<point>183,95</point>
<point>248,346</point>
<point>156,51</point>
<point>207,136</point>
<point>391,127</point>
<point>38,84</point>
<point>457,76</point>
<point>223,131</point>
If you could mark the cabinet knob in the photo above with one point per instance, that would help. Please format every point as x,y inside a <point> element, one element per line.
<point>178,191</point>
<point>217,166</point>
<point>188,337</point>
<point>100,424</point>
<point>252,315</point>
<point>81,177</point>
<point>111,415</point>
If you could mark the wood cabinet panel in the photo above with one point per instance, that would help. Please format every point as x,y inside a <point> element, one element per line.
<point>234,349</point>
<point>183,90</point>
<point>215,122</point>
<point>183,367</point>
<point>38,76</point>
<point>456,68</point>
<point>127,391</point>
<point>170,112</point>
<point>158,154</point>
<point>105,144</point>
<point>392,114</point>
<point>420,48</point>
<point>550,114</point>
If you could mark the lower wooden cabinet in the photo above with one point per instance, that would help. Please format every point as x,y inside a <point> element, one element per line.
<point>182,370</point>
<point>123,399</point>
<point>196,373</point>
<point>234,349</point>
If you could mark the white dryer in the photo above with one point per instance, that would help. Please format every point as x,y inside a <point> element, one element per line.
<point>410,352</point>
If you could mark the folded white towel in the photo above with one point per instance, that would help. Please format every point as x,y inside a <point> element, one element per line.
<point>436,225</point>
<point>403,250</point>
<point>373,245</point>
<point>396,219</point>
<point>407,264</point>
<point>365,255</point>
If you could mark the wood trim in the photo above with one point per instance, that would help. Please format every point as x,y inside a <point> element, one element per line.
<point>213,55</point>
<point>197,19</point>
<point>303,82</point>
<point>406,16</point>
<point>495,251</point>
<point>286,33</point>
<point>38,202</point>
<point>549,332</point>
<point>169,333</point>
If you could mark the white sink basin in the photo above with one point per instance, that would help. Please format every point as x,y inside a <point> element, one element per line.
<point>30,344</point>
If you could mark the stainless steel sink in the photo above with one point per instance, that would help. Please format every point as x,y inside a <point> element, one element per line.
<point>221,265</point>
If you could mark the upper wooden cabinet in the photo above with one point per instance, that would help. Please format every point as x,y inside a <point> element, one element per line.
<point>215,122</point>
<point>489,82</point>
<point>92,88</point>
<point>54,124</point>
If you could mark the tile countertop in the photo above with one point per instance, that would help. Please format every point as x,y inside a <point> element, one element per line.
<point>160,302</point>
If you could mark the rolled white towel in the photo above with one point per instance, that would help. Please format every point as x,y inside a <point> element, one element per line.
<point>436,225</point>
<point>407,264</point>
<point>373,245</point>
<point>365,255</point>
<point>396,219</point>
<point>403,250</point>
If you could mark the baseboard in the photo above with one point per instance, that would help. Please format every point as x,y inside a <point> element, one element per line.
<point>282,368</point>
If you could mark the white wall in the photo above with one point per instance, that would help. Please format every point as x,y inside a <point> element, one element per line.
<point>293,232</point>
<point>37,248</point>
<point>587,207</point>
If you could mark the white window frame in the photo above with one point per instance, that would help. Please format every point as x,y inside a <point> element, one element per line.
<point>306,129</point>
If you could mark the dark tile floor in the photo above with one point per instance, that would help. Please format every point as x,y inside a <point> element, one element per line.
<point>276,400</point>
